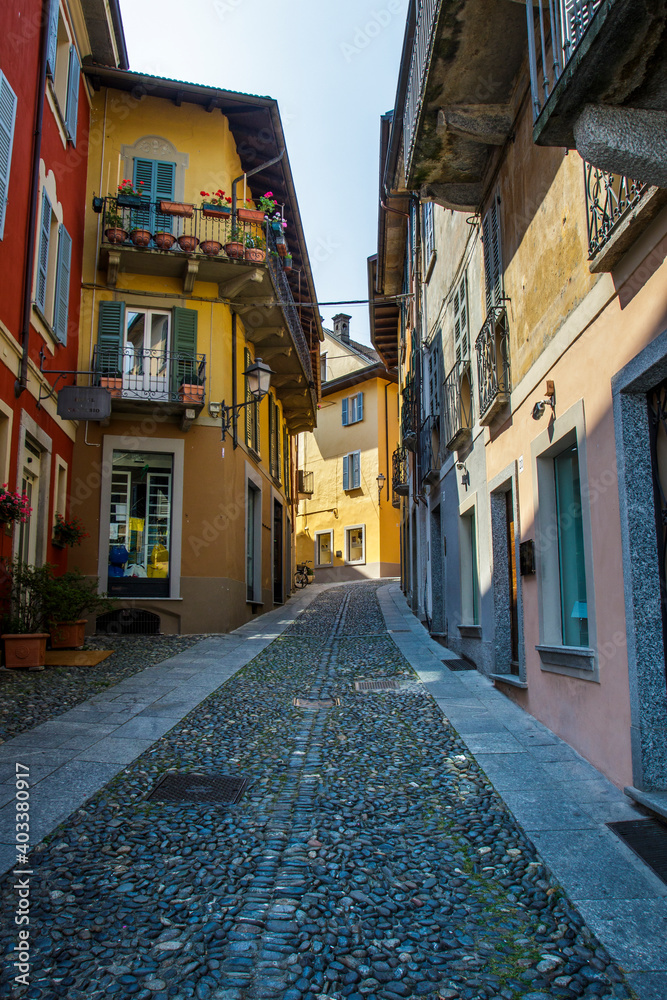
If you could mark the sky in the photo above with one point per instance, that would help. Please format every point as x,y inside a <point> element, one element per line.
<point>332,65</point>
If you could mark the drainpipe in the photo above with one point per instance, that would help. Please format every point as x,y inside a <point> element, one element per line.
<point>21,382</point>
<point>249,173</point>
<point>235,436</point>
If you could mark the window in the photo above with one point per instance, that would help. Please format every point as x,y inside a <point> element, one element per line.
<point>572,567</point>
<point>469,569</point>
<point>435,374</point>
<point>352,471</point>
<point>31,476</point>
<point>7,122</point>
<point>493,264</point>
<point>323,367</point>
<point>140,524</point>
<point>324,548</point>
<point>461,322</point>
<point>64,68</point>
<point>287,479</point>
<point>60,503</point>
<point>54,259</point>
<point>251,411</point>
<point>355,544</point>
<point>274,438</point>
<point>353,409</point>
<point>254,544</point>
<point>429,232</point>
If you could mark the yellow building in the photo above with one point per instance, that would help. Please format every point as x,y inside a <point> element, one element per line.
<point>189,522</point>
<point>347,527</point>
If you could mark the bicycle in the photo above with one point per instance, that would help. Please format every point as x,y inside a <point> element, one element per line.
<point>302,578</point>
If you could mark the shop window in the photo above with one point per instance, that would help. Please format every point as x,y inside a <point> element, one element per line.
<point>324,548</point>
<point>469,569</point>
<point>355,544</point>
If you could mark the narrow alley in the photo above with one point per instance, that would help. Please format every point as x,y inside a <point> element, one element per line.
<point>367,857</point>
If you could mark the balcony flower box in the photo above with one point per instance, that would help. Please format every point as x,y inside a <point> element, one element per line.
<point>190,393</point>
<point>131,201</point>
<point>250,215</point>
<point>216,211</point>
<point>177,208</point>
<point>113,383</point>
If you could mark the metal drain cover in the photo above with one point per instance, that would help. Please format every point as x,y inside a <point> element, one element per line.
<point>315,703</point>
<point>458,665</point>
<point>381,684</point>
<point>184,786</point>
<point>648,839</point>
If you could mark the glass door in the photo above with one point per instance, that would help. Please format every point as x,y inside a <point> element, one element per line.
<point>145,373</point>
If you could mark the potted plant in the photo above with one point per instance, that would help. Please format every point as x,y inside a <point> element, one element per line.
<point>266,205</point>
<point>68,532</point>
<point>65,599</point>
<point>164,240</point>
<point>128,196</point>
<point>216,206</point>
<point>141,237</point>
<point>23,625</point>
<point>287,262</point>
<point>235,246</point>
<point>115,231</point>
<point>255,248</point>
<point>13,506</point>
<point>188,243</point>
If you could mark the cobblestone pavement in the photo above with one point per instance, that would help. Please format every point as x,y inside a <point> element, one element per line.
<point>369,857</point>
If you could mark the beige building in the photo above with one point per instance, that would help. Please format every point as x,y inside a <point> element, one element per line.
<point>347,527</point>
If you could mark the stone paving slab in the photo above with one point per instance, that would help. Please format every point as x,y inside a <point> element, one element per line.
<point>562,802</point>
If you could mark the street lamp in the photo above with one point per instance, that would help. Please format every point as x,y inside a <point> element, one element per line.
<point>380,480</point>
<point>258,378</point>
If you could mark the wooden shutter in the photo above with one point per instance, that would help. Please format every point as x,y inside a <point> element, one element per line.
<point>155,179</point>
<point>356,470</point>
<point>184,348</point>
<point>72,107</point>
<point>360,406</point>
<point>52,38</point>
<point>43,252</point>
<point>346,472</point>
<point>345,412</point>
<point>493,269</point>
<point>461,328</point>
<point>143,180</point>
<point>165,177</point>
<point>7,123</point>
<point>110,333</point>
<point>63,267</point>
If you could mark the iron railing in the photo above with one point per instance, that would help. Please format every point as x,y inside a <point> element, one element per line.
<point>553,37</point>
<point>457,416</point>
<point>290,311</point>
<point>166,376</point>
<point>400,483</point>
<point>430,458</point>
<point>608,198</point>
<point>426,21</point>
<point>409,416</point>
<point>493,363</point>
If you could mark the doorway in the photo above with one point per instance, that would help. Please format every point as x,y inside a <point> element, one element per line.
<point>505,580</point>
<point>30,485</point>
<point>278,563</point>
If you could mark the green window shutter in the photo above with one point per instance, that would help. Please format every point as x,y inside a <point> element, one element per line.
<point>346,472</point>
<point>110,332</point>
<point>346,412</point>
<point>43,252</point>
<point>165,177</point>
<point>52,38</point>
<point>184,347</point>
<point>7,122</point>
<point>62,284</point>
<point>72,107</point>
<point>156,180</point>
<point>143,180</point>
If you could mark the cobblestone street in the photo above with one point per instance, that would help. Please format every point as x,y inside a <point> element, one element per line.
<point>369,856</point>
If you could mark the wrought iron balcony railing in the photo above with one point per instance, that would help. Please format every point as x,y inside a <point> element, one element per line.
<point>552,41</point>
<point>399,476</point>
<point>290,311</point>
<point>409,416</point>
<point>493,364</point>
<point>426,21</point>
<point>608,198</point>
<point>157,375</point>
<point>430,458</point>
<point>457,399</point>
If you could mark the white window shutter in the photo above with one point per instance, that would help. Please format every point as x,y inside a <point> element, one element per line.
<point>7,122</point>
<point>61,310</point>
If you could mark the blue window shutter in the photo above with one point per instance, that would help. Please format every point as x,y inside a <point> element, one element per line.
<point>72,107</point>
<point>360,406</point>
<point>43,252</point>
<point>346,473</point>
<point>7,121</point>
<point>52,39</point>
<point>110,334</point>
<point>62,284</point>
<point>345,412</point>
<point>356,470</point>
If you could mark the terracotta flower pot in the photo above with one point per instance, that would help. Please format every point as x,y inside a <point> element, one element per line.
<point>141,237</point>
<point>254,255</point>
<point>68,635</point>
<point>25,651</point>
<point>250,215</point>
<point>113,383</point>
<point>115,235</point>
<point>190,393</point>
<point>235,250</point>
<point>188,243</point>
<point>210,247</point>
<point>177,208</point>
<point>164,241</point>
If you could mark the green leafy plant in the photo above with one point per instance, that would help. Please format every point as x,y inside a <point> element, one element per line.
<point>66,598</point>
<point>27,612</point>
<point>254,241</point>
<point>68,532</point>
<point>113,219</point>
<point>236,235</point>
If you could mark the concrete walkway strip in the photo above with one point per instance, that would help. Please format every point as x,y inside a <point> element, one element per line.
<point>73,756</point>
<point>560,800</point>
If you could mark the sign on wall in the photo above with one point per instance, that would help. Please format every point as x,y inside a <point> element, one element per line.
<point>84,403</point>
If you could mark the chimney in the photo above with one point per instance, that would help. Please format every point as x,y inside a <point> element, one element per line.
<point>341,324</point>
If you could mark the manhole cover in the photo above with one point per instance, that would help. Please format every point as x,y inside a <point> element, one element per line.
<point>315,703</point>
<point>381,684</point>
<point>458,665</point>
<point>187,787</point>
<point>648,839</point>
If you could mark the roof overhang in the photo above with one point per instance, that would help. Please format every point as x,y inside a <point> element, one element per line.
<point>104,25</point>
<point>385,317</point>
<point>358,378</point>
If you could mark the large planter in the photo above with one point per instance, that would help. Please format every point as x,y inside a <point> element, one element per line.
<point>210,247</point>
<point>131,201</point>
<point>164,241</point>
<point>250,215</point>
<point>254,255</point>
<point>26,652</point>
<point>191,393</point>
<point>141,237</point>
<point>215,211</point>
<point>177,208</point>
<point>113,383</point>
<point>115,234</point>
<point>188,243</point>
<point>235,250</point>
<point>68,635</point>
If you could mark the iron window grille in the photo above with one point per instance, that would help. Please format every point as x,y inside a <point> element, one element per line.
<point>399,476</point>
<point>493,364</point>
<point>609,197</point>
<point>457,415</point>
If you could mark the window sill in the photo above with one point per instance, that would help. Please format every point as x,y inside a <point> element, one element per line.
<point>255,455</point>
<point>470,631</point>
<point>574,661</point>
<point>431,265</point>
<point>256,604</point>
<point>357,562</point>
<point>510,679</point>
<point>43,326</point>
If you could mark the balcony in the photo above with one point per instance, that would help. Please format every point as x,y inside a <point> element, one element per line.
<point>430,457</point>
<point>242,259</point>
<point>305,484</point>
<point>597,69</point>
<point>400,485</point>
<point>409,418</point>
<point>135,377</point>
<point>493,365</point>
<point>457,398</point>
